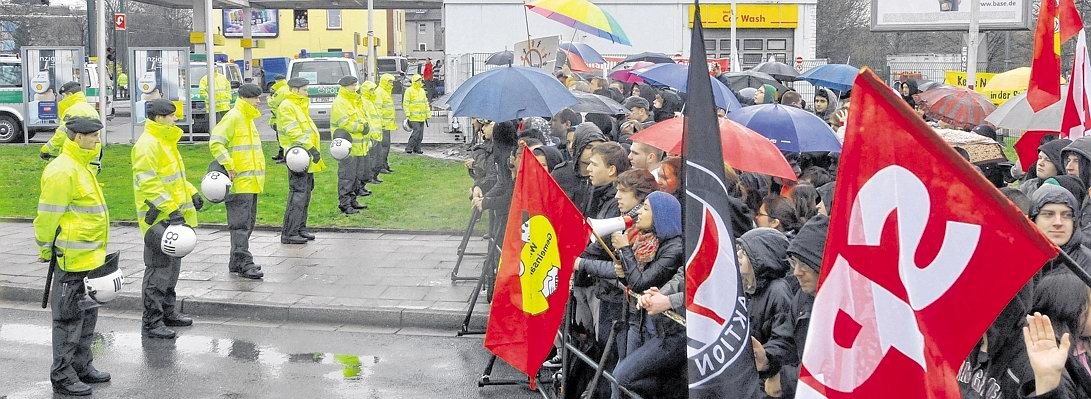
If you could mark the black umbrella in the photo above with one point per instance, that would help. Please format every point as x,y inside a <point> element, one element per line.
<point>778,70</point>
<point>505,57</point>
<point>740,80</point>
<point>594,103</point>
<point>655,58</point>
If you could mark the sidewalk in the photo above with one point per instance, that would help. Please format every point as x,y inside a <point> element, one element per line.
<point>354,278</point>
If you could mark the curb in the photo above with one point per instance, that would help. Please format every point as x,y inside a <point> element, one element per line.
<point>266,227</point>
<point>360,316</point>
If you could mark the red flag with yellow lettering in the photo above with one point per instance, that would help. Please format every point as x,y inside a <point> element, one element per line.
<point>544,235</point>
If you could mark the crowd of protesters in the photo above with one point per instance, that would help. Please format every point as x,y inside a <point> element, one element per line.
<point>780,228</point>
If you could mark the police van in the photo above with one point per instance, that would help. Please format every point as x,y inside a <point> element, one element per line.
<point>197,71</point>
<point>323,70</point>
<point>12,104</point>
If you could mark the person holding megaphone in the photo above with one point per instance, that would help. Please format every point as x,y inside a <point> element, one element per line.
<point>166,208</point>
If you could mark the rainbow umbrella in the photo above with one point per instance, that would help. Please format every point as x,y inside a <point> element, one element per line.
<point>582,15</point>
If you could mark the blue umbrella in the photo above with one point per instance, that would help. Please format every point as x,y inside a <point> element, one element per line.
<point>835,76</point>
<point>510,92</point>
<point>790,128</point>
<point>588,54</point>
<point>677,76</point>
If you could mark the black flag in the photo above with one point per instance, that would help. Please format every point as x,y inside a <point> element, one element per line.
<point>721,361</point>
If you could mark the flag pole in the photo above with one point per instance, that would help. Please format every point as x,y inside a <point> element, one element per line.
<point>670,313</point>
<point>1075,268</point>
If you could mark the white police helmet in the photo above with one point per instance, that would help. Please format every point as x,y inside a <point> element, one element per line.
<point>175,240</point>
<point>340,148</point>
<point>405,125</point>
<point>297,159</point>
<point>215,186</point>
<point>104,283</point>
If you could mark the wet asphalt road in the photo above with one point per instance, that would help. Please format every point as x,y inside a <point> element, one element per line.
<point>252,361</point>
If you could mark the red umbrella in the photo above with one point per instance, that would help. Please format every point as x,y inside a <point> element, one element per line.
<point>958,106</point>
<point>743,149</point>
<point>628,75</point>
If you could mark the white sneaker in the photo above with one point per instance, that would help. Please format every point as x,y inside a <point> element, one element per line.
<point>554,363</point>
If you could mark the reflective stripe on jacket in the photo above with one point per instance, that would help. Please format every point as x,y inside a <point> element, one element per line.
<point>75,105</point>
<point>296,128</point>
<point>71,200</point>
<point>236,144</point>
<point>223,91</point>
<point>159,175</point>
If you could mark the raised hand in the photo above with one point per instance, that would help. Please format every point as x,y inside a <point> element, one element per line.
<point>1047,358</point>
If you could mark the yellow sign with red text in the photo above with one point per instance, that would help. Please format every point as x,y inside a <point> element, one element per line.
<point>777,16</point>
<point>958,78</point>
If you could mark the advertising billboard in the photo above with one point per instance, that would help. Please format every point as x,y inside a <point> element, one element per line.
<point>159,72</point>
<point>264,23</point>
<point>950,15</point>
<point>45,70</point>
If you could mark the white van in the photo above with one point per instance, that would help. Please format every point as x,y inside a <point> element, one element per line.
<point>323,72</point>
<point>197,71</point>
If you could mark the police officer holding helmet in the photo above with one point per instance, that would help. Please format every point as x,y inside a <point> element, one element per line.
<point>297,129</point>
<point>71,229</point>
<point>163,196</point>
<point>236,145</point>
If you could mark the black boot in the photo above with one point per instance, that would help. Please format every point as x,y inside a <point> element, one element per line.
<point>159,332</point>
<point>178,320</point>
<point>95,377</point>
<point>349,210</point>
<point>307,235</point>
<point>72,388</point>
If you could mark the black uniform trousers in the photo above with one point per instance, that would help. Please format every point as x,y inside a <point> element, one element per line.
<point>160,278</point>
<point>72,328</point>
<point>300,186</point>
<point>242,214</point>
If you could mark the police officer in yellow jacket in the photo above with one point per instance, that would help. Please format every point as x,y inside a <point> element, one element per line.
<point>72,228</point>
<point>367,172</point>
<point>162,193</point>
<point>297,129</point>
<point>347,116</point>
<point>279,89</point>
<point>417,110</point>
<point>236,145</point>
<point>384,101</point>
<point>73,103</point>
<point>223,94</point>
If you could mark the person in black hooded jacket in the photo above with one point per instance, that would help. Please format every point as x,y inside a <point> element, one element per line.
<point>571,175</point>
<point>1077,159</point>
<point>1049,164</point>
<point>763,262</point>
<point>1061,369</point>
<point>498,198</point>
<point>1053,210</point>
<point>805,254</point>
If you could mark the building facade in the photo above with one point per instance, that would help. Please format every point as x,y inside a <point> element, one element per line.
<point>424,33</point>
<point>285,33</point>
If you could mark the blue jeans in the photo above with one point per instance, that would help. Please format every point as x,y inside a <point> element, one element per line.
<point>658,357</point>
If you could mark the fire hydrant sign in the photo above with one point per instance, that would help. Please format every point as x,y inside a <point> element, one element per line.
<point>119,21</point>
<point>45,70</point>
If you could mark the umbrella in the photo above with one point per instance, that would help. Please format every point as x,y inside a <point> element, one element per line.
<point>839,77</point>
<point>510,92</point>
<point>677,76</point>
<point>1016,114</point>
<point>778,70</point>
<point>926,85</point>
<point>743,148</point>
<point>505,57</point>
<point>574,61</point>
<point>1015,79</point>
<point>958,106</point>
<point>655,58</point>
<point>585,51</point>
<point>628,75</point>
<point>980,148</point>
<point>790,128</point>
<point>741,80</point>
<point>582,15</point>
<point>596,104</point>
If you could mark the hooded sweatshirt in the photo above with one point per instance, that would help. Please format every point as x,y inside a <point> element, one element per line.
<point>770,95</point>
<point>671,103</point>
<point>567,174</point>
<point>1052,150</point>
<point>912,91</point>
<point>808,246</point>
<point>551,154</point>
<point>831,99</point>
<point>1081,147</point>
<point>770,306</point>
<point>1050,194</point>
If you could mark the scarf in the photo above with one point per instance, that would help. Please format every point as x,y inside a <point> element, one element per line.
<point>645,244</point>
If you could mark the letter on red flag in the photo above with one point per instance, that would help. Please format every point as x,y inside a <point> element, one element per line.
<point>544,235</point>
<point>922,255</point>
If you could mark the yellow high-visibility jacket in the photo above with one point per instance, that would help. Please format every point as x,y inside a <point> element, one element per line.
<point>223,92</point>
<point>71,200</point>
<point>415,103</point>
<point>75,105</point>
<point>280,88</point>
<point>296,127</point>
<point>236,144</point>
<point>347,114</point>
<point>159,175</point>
<point>385,101</point>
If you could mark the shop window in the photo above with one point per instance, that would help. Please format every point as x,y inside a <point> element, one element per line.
<point>710,44</point>
<point>300,20</point>
<point>776,44</point>
<point>333,19</point>
<point>753,44</point>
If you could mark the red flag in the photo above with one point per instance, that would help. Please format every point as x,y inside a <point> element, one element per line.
<point>903,299</point>
<point>545,234</point>
<point>1027,147</point>
<point>1045,76</point>
<point>1069,18</point>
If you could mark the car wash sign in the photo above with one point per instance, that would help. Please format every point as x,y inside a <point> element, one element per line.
<point>45,70</point>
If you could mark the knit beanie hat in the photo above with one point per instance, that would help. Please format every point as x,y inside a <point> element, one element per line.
<point>666,215</point>
<point>810,243</point>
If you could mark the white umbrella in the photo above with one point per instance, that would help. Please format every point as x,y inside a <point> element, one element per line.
<point>1015,114</point>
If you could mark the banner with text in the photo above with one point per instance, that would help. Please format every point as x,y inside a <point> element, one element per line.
<point>958,78</point>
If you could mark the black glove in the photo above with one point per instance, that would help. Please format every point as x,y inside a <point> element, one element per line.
<point>198,202</point>
<point>153,213</point>
<point>315,155</point>
<point>175,218</point>
<point>45,156</point>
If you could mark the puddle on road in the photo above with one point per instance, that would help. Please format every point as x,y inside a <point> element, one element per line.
<point>160,353</point>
